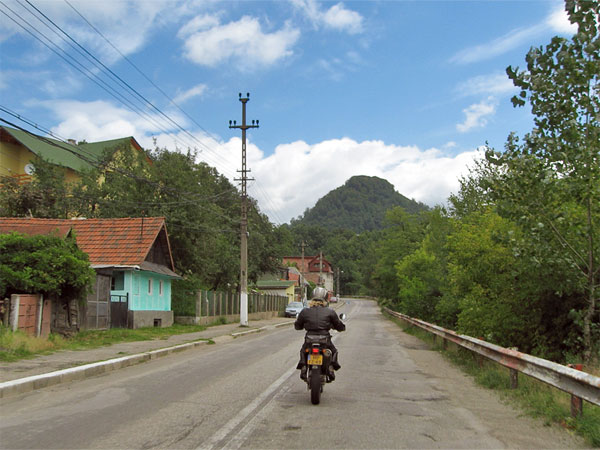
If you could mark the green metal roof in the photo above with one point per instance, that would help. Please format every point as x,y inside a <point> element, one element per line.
<point>76,157</point>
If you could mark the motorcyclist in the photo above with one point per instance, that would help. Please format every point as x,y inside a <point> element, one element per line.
<point>318,318</point>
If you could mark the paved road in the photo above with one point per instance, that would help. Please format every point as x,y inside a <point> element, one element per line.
<point>392,392</point>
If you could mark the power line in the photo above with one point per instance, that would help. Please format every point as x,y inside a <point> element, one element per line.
<point>117,77</point>
<point>204,145</point>
<point>117,170</point>
<point>140,71</point>
<point>123,85</point>
<point>91,76</point>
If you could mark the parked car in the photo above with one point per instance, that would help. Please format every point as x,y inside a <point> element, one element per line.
<point>333,300</point>
<point>293,309</point>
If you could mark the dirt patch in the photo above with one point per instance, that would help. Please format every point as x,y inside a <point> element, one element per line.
<point>505,422</point>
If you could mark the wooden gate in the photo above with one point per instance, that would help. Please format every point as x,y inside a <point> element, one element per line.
<point>97,310</point>
<point>28,309</point>
<point>119,306</point>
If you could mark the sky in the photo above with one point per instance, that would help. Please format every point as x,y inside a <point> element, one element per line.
<point>408,91</point>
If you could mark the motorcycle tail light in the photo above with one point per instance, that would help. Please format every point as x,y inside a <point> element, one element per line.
<point>315,350</point>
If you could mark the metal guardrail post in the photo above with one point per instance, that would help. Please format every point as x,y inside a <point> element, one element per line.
<point>514,378</point>
<point>576,402</point>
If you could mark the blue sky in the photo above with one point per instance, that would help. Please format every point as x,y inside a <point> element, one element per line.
<point>404,90</point>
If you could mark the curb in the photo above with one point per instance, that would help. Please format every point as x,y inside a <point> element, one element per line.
<point>34,382</point>
<point>258,330</point>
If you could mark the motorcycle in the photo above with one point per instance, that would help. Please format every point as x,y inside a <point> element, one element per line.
<point>318,360</point>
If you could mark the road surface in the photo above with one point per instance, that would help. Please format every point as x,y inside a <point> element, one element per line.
<point>392,392</point>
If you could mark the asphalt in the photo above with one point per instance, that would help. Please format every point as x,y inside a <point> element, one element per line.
<point>65,366</point>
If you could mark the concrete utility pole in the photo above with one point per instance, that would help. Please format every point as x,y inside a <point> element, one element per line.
<point>302,269</point>
<point>337,293</point>
<point>244,222</point>
<point>321,281</point>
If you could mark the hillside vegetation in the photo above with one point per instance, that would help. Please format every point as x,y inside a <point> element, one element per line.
<point>359,205</point>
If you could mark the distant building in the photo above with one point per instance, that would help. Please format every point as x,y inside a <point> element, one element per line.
<point>277,287</point>
<point>315,269</point>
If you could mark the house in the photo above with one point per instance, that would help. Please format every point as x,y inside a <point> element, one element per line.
<point>133,262</point>
<point>316,269</point>
<point>18,149</point>
<point>288,273</point>
<point>278,287</point>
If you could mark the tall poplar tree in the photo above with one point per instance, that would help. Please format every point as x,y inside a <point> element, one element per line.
<point>549,181</point>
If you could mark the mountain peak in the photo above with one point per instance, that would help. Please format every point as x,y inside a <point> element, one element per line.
<point>359,205</point>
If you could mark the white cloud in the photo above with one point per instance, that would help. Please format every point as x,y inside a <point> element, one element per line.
<point>497,83</point>
<point>208,43</point>
<point>196,91</point>
<point>296,174</point>
<point>498,46</point>
<point>100,120</point>
<point>128,25</point>
<point>340,18</point>
<point>556,22</point>
<point>337,17</point>
<point>476,115</point>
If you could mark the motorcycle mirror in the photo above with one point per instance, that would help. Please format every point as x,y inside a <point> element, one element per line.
<point>343,316</point>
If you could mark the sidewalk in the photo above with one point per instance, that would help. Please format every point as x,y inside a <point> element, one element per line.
<point>69,365</point>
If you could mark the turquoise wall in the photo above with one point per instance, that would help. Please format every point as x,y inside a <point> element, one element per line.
<point>141,298</point>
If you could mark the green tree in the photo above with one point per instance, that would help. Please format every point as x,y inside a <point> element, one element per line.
<point>549,182</point>
<point>42,264</point>
<point>46,196</point>
<point>401,238</point>
<point>422,275</point>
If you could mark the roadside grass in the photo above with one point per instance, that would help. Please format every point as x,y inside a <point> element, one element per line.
<point>535,398</point>
<point>18,345</point>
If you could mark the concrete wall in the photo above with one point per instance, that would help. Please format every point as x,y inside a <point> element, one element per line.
<point>188,320</point>
<point>139,319</point>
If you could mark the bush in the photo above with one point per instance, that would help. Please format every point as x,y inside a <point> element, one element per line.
<point>45,265</point>
<point>183,296</point>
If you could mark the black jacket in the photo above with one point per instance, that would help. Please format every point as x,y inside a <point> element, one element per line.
<point>318,318</point>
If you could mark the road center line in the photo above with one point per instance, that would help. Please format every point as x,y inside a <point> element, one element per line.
<point>244,413</point>
<point>237,440</point>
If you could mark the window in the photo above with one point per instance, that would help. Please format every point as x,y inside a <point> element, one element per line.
<point>150,286</point>
<point>160,287</point>
<point>117,281</point>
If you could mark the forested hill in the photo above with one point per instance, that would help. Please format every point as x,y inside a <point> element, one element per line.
<point>359,205</point>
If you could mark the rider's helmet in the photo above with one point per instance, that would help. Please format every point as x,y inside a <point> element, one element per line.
<point>319,293</point>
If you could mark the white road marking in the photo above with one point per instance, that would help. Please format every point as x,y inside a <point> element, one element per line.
<point>244,413</point>
<point>238,439</point>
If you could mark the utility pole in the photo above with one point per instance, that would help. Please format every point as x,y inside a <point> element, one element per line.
<point>321,281</point>
<point>337,293</point>
<point>244,221</point>
<point>302,270</point>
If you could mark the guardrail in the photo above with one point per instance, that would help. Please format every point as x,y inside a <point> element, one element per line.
<point>579,384</point>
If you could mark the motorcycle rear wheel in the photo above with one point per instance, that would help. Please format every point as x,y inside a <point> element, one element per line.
<point>315,386</point>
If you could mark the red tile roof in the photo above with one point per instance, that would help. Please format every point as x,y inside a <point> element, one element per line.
<point>33,228</point>
<point>109,242</point>
<point>309,262</point>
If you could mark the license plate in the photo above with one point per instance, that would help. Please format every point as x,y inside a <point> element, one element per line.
<point>315,360</point>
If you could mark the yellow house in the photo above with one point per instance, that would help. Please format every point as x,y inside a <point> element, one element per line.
<point>277,287</point>
<point>18,149</point>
